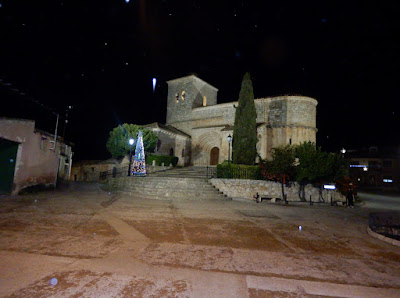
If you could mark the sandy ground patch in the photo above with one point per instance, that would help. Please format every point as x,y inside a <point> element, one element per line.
<point>97,243</point>
<point>85,283</point>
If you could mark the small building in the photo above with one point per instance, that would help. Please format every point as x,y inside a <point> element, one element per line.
<point>29,156</point>
<point>89,170</point>
<point>172,142</point>
<point>375,167</point>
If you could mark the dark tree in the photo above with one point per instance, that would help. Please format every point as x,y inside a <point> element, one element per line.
<point>244,149</point>
<point>282,166</point>
<point>117,143</point>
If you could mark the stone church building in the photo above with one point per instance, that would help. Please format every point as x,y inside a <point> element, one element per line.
<point>197,126</point>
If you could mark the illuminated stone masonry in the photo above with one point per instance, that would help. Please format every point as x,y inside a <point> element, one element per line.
<point>197,127</point>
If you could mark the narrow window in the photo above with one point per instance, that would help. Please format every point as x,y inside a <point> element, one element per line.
<point>183,152</point>
<point>290,141</point>
<point>43,144</point>
<point>204,101</point>
<point>183,95</point>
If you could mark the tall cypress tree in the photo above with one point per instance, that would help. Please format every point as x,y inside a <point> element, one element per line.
<point>244,148</point>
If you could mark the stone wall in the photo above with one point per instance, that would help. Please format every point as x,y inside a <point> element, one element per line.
<point>281,120</point>
<point>36,162</point>
<point>301,111</point>
<point>165,143</point>
<point>247,189</point>
<point>187,93</point>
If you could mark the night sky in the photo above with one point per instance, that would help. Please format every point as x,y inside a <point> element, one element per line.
<point>100,57</point>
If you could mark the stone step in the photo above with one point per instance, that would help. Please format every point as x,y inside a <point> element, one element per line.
<point>181,175</point>
<point>165,178</point>
<point>174,184</point>
<point>176,187</point>
<point>204,189</point>
<point>161,191</point>
<point>183,172</point>
<point>179,195</point>
<point>163,184</point>
<point>178,198</point>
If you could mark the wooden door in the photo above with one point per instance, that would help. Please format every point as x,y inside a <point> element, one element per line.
<point>214,156</point>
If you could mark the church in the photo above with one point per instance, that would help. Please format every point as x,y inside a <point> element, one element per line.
<point>197,127</point>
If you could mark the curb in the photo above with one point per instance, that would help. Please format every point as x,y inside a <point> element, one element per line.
<point>383,238</point>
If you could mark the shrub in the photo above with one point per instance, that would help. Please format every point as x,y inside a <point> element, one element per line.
<point>166,159</point>
<point>235,171</point>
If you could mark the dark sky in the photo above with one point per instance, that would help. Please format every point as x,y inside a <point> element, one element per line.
<point>100,57</point>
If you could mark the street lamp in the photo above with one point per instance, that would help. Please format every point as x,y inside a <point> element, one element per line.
<point>229,139</point>
<point>343,151</point>
<point>131,141</point>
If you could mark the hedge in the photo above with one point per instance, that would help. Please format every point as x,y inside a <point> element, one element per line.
<point>166,159</point>
<point>235,171</point>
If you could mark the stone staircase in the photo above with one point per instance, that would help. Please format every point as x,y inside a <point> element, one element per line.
<point>189,183</point>
<point>186,172</point>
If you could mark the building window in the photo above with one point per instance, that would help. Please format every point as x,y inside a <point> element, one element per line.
<point>290,141</point>
<point>183,95</point>
<point>177,97</point>
<point>92,169</point>
<point>183,152</point>
<point>171,152</point>
<point>204,101</point>
<point>43,144</point>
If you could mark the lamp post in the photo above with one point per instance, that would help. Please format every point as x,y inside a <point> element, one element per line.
<point>131,141</point>
<point>229,139</point>
<point>343,151</point>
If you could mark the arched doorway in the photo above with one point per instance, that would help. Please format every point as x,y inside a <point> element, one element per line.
<point>214,156</point>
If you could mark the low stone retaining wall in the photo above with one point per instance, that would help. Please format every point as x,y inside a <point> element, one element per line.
<point>387,224</point>
<point>247,189</point>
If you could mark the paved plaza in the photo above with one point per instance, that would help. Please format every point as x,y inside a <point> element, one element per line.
<point>87,242</point>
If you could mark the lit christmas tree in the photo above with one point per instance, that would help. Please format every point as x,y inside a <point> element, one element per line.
<point>139,163</point>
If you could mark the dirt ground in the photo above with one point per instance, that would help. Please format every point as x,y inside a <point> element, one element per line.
<point>88,242</point>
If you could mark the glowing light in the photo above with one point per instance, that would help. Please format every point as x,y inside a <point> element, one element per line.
<point>365,169</point>
<point>300,228</point>
<point>154,84</point>
<point>126,1</point>
<point>388,180</point>
<point>329,186</point>
<point>53,281</point>
<point>358,166</point>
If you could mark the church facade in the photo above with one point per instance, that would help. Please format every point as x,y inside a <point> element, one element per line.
<point>197,127</point>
